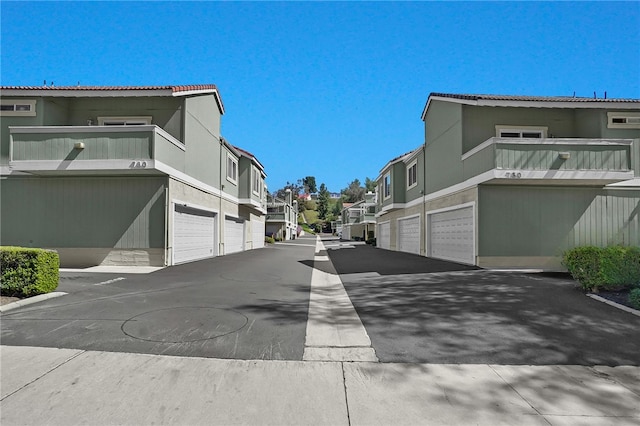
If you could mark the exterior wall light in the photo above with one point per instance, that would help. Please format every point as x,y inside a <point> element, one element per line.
<point>78,145</point>
<point>564,155</point>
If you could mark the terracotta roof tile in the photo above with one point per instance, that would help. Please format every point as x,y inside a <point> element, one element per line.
<point>470,97</point>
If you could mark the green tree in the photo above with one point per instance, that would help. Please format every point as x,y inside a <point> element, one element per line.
<point>323,201</point>
<point>309,184</point>
<point>294,187</point>
<point>370,185</point>
<point>354,192</point>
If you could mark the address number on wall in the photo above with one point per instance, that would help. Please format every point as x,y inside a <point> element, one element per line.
<point>138,165</point>
<point>513,175</point>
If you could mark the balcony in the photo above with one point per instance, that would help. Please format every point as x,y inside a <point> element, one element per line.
<point>103,149</point>
<point>597,160</point>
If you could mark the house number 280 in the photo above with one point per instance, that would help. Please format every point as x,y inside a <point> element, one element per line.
<point>138,165</point>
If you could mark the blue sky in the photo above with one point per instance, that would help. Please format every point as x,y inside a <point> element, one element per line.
<point>324,89</point>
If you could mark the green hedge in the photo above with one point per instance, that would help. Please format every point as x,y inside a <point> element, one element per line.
<point>634,297</point>
<point>28,271</point>
<point>598,268</point>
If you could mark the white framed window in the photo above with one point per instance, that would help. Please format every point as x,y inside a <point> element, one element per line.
<point>412,175</point>
<point>255,186</point>
<point>232,169</point>
<point>124,121</point>
<point>18,107</point>
<point>526,132</point>
<point>623,120</point>
<point>386,185</point>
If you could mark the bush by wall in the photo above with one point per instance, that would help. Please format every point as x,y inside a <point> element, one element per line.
<point>28,271</point>
<point>634,297</point>
<point>597,268</point>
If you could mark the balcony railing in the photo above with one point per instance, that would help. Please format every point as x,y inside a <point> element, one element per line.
<point>93,148</point>
<point>570,155</point>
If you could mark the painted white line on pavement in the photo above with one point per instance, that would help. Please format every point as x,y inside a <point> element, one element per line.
<point>334,329</point>
<point>111,281</point>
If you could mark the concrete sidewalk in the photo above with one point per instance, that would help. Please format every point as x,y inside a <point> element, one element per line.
<point>66,387</point>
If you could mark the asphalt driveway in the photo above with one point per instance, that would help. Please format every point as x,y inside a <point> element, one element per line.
<point>424,310</point>
<point>250,305</point>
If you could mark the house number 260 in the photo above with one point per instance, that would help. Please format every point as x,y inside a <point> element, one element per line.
<point>138,165</point>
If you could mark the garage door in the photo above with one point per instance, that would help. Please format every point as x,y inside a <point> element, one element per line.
<point>451,235</point>
<point>193,234</point>
<point>233,235</point>
<point>257,233</point>
<point>409,235</point>
<point>384,235</point>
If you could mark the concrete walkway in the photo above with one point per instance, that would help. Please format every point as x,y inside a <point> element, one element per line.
<point>68,387</point>
<point>334,330</point>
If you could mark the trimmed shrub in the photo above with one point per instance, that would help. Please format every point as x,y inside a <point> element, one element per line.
<point>28,271</point>
<point>634,297</point>
<point>598,268</point>
<point>269,240</point>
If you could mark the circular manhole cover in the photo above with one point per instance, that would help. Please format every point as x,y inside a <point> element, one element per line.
<point>184,324</point>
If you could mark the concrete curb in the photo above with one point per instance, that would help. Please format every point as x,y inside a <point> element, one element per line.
<point>30,300</point>
<point>615,305</point>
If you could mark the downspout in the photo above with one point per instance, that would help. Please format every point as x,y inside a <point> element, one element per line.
<point>221,218</point>
<point>167,205</point>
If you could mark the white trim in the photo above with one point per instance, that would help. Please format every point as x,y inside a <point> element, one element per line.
<point>30,113</point>
<point>235,163</point>
<point>610,104</point>
<point>255,179</point>
<point>80,129</point>
<point>167,136</point>
<point>500,175</point>
<point>146,119</point>
<point>634,116</point>
<point>184,178</point>
<point>393,206</point>
<point>456,207</point>
<point>75,165</point>
<point>409,167</point>
<point>521,129</point>
<point>386,196</point>
<point>554,141</point>
<point>627,184</point>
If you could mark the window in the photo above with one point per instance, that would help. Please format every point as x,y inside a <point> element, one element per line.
<point>526,132</point>
<point>18,108</point>
<point>232,169</point>
<point>124,121</point>
<point>623,120</point>
<point>387,185</point>
<point>256,181</point>
<point>412,175</point>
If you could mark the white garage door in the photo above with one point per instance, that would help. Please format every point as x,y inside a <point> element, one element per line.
<point>233,235</point>
<point>193,234</point>
<point>451,235</point>
<point>384,235</point>
<point>409,235</point>
<point>257,233</point>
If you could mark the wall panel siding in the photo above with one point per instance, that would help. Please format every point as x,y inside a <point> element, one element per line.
<point>134,145</point>
<point>545,157</point>
<point>545,221</point>
<point>91,212</point>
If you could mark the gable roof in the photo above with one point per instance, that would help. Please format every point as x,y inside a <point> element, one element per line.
<point>114,91</point>
<point>404,157</point>
<point>252,157</point>
<point>532,101</point>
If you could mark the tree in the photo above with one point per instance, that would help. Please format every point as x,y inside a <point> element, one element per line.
<point>323,202</point>
<point>309,184</point>
<point>294,187</point>
<point>337,208</point>
<point>354,192</point>
<point>370,185</point>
